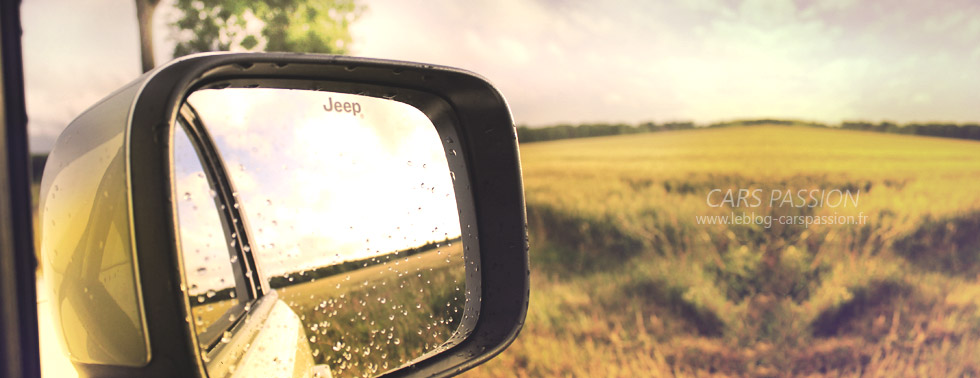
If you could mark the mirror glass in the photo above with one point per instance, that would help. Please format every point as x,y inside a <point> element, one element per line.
<point>351,215</point>
<point>211,259</point>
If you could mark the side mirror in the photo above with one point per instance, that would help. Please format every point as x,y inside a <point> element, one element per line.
<point>287,215</point>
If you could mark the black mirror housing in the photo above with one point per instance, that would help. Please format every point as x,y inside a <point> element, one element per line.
<point>124,144</point>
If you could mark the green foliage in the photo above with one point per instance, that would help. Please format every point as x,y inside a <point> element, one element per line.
<point>278,25</point>
<point>947,130</point>
<point>527,134</point>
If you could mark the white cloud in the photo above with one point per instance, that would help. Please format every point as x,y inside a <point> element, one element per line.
<point>703,60</point>
<point>326,187</point>
<point>820,7</point>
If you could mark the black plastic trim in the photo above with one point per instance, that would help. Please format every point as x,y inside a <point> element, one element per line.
<point>245,290</point>
<point>19,352</point>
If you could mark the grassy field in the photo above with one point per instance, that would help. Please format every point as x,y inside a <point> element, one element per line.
<point>626,282</point>
<point>374,319</point>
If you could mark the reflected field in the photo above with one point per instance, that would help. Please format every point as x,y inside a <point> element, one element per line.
<point>206,314</point>
<point>376,318</point>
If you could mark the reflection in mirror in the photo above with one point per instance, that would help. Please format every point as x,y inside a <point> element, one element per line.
<point>352,216</point>
<point>209,256</point>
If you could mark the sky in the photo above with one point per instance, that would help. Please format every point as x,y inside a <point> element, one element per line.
<point>586,61</point>
<point>319,187</point>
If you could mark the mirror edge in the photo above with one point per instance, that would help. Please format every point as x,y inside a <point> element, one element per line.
<point>487,137</point>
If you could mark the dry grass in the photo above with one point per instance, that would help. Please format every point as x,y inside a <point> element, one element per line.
<point>626,283</point>
<point>374,319</point>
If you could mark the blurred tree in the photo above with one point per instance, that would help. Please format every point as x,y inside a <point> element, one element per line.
<point>316,26</point>
<point>144,16</point>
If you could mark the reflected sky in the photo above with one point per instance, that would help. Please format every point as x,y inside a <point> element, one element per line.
<point>320,186</point>
<point>202,236</point>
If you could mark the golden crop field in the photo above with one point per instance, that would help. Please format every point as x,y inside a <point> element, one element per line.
<point>629,280</point>
<point>371,320</point>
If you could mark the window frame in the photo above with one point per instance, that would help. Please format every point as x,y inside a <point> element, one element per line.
<point>248,286</point>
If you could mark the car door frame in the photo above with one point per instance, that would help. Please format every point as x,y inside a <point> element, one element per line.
<point>250,284</point>
<point>19,351</point>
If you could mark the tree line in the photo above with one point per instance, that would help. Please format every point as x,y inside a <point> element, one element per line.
<point>946,130</point>
<point>294,278</point>
<point>566,131</point>
<point>528,134</point>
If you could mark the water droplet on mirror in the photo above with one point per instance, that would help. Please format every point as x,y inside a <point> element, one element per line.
<point>187,196</point>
